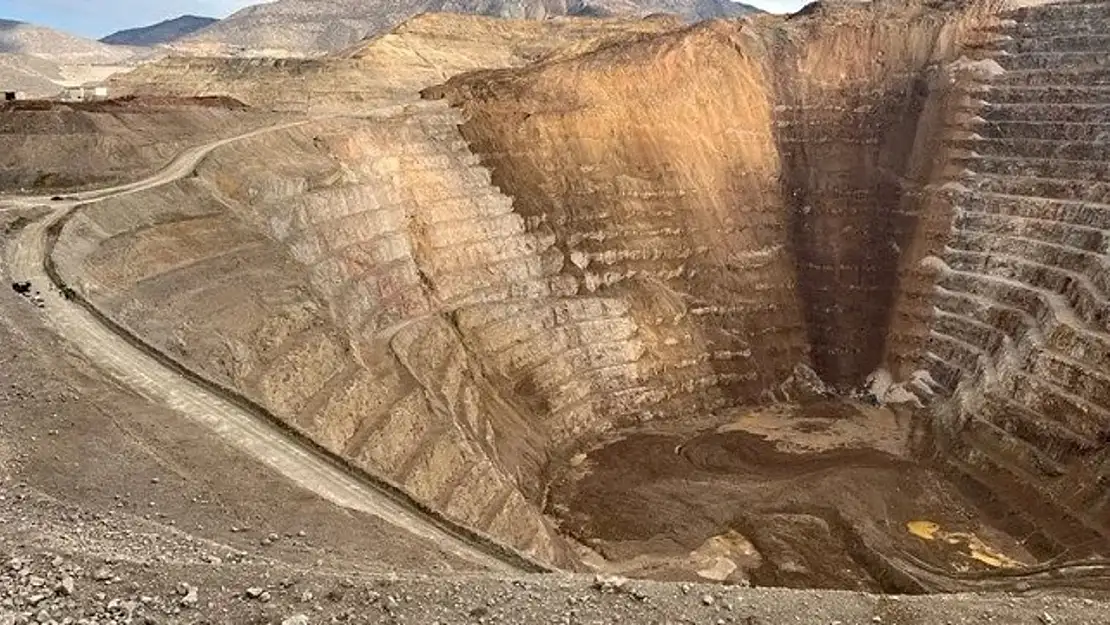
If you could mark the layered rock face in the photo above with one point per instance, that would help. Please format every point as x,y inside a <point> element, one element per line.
<point>314,273</point>
<point>739,186</point>
<point>858,110</point>
<point>377,261</point>
<point>1019,317</point>
<point>652,224</point>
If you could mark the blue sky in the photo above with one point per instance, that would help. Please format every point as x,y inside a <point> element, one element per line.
<point>96,18</point>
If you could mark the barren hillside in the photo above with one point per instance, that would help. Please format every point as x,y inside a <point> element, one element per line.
<point>390,68</point>
<point>309,27</point>
<point>58,47</point>
<point>32,75</point>
<point>163,32</point>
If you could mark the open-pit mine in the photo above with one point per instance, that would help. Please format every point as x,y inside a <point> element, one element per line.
<point>818,301</point>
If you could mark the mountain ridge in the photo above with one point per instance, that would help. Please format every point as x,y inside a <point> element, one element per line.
<point>59,47</point>
<point>162,32</point>
<point>312,27</point>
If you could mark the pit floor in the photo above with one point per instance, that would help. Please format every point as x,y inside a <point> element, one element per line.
<point>814,496</point>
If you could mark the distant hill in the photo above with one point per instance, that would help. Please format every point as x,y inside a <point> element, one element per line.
<point>59,47</point>
<point>309,27</point>
<point>690,10</point>
<point>31,75</point>
<point>162,32</point>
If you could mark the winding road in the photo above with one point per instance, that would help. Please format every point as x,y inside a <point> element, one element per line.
<point>252,433</point>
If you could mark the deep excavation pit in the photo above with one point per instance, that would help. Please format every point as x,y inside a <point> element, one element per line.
<point>815,302</point>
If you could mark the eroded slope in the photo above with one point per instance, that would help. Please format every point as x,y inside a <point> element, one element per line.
<point>52,146</point>
<point>642,226</point>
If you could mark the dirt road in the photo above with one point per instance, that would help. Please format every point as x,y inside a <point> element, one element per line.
<point>249,432</point>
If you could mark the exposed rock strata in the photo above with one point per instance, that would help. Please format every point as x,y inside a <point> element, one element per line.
<point>766,206</point>
<point>646,226</point>
<point>1017,324</point>
<point>339,331</point>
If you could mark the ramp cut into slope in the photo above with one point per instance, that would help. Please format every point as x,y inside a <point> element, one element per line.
<point>686,303</point>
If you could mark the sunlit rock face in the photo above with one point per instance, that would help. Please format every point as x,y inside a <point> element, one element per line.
<point>590,226</point>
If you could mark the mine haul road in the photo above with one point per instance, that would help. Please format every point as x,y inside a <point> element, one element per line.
<point>252,433</point>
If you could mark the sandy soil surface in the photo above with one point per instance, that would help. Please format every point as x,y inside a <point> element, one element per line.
<point>41,584</point>
<point>796,496</point>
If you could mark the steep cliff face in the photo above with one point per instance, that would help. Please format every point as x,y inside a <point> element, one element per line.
<point>662,194</point>
<point>750,179</point>
<point>857,103</point>
<point>623,223</point>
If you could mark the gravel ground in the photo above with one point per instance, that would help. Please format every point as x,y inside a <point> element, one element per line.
<point>42,586</point>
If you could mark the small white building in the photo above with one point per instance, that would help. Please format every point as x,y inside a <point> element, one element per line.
<point>10,96</point>
<point>85,93</point>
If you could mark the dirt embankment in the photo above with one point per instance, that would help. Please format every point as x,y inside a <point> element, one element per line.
<point>47,146</point>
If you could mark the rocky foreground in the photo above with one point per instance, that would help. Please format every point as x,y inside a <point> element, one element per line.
<point>46,587</point>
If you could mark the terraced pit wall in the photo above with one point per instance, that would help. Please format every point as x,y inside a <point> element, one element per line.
<point>310,273</point>
<point>649,228</point>
<point>1020,323</point>
<point>748,190</point>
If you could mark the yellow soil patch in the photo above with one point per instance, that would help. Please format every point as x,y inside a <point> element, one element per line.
<point>976,549</point>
